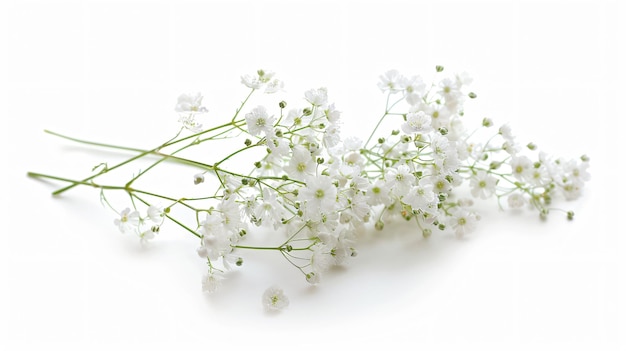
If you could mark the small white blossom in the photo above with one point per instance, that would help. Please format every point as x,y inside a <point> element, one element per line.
<point>400,179</point>
<point>147,235</point>
<point>274,299</point>
<point>274,86</point>
<point>301,163</point>
<point>155,213</point>
<point>212,281</point>
<point>259,121</point>
<point>462,221</point>
<point>319,196</point>
<point>317,97</point>
<point>417,122</point>
<point>516,200</point>
<point>522,168</point>
<point>128,221</point>
<point>483,184</point>
<point>392,81</point>
<point>190,103</point>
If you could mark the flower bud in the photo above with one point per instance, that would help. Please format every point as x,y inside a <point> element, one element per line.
<point>439,68</point>
<point>282,104</point>
<point>472,95</point>
<point>426,233</point>
<point>379,225</point>
<point>198,178</point>
<point>312,278</point>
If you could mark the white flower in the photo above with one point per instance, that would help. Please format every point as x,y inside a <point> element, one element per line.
<point>211,281</point>
<point>128,221</point>
<point>450,89</point>
<point>190,103</point>
<point>190,122</point>
<point>439,114</point>
<point>321,259</point>
<point>269,209</point>
<point>332,135</point>
<point>147,235</point>
<point>262,78</point>
<point>155,213</point>
<point>516,200</point>
<point>414,89</point>
<point>297,118</point>
<point>400,179</point>
<point>317,97</point>
<point>198,178</point>
<point>378,193</point>
<point>274,86</point>
<point>391,81</point>
<point>483,184</point>
<point>522,167</point>
<point>301,163</point>
<point>462,221</point>
<point>259,121</point>
<point>417,123</point>
<point>421,196</point>
<point>332,114</point>
<point>319,195</point>
<point>274,299</point>
<point>507,134</point>
<point>216,241</point>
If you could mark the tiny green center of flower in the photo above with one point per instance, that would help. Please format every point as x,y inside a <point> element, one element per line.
<point>301,167</point>
<point>376,190</point>
<point>519,169</point>
<point>482,184</point>
<point>462,221</point>
<point>435,114</point>
<point>124,218</point>
<point>399,177</point>
<point>260,122</point>
<point>319,193</point>
<point>274,300</point>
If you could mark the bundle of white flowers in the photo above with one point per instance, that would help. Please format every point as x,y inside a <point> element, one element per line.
<point>319,193</point>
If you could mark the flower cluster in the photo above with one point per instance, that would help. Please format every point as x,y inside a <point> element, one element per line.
<point>317,193</point>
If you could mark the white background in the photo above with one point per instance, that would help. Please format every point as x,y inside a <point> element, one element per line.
<point>111,72</point>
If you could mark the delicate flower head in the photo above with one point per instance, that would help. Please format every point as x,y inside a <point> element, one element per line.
<point>417,122</point>
<point>516,200</point>
<point>274,299</point>
<point>261,78</point>
<point>212,281</point>
<point>128,220</point>
<point>462,221</point>
<point>319,195</point>
<point>317,97</point>
<point>301,163</point>
<point>190,103</point>
<point>155,213</point>
<point>259,121</point>
<point>392,81</point>
<point>483,184</point>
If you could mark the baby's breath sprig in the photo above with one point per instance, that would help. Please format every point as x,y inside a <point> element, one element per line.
<point>318,193</point>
